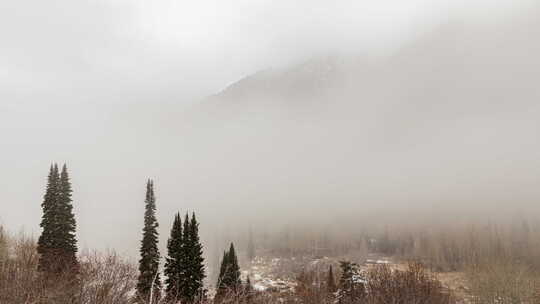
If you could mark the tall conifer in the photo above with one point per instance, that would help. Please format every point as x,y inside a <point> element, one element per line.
<point>331,281</point>
<point>195,269</point>
<point>229,279</point>
<point>67,240</point>
<point>184,284</point>
<point>57,245</point>
<point>174,270</point>
<point>149,283</point>
<point>46,241</point>
<point>222,270</point>
<point>234,269</point>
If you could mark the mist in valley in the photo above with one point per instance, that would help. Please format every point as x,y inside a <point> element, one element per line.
<point>301,121</point>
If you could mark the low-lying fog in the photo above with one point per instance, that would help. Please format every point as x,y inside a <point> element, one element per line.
<point>436,122</point>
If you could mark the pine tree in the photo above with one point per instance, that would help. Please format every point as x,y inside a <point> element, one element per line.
<point>222,270</point>
<point>174,269</point>
<point>195,268</point>
<point>67,240</point>
<point>149,283</point>
<point>331,282</point>
<point>185,263</point>
<point>248,287</point>
<point>185,249</point>
<point>222,287</point>
<point>234,270</point>
<point>351,284</point>
<point>57,245</point>
<point>229,277</point>
<point>46,241</point>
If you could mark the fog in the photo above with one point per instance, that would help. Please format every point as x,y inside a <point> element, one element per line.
<point>270,114</point>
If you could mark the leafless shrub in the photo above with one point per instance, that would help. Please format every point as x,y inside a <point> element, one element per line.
<point>106,279</point>
<point>19,279</point>
<point>501,261</point>
<point>3,245</point>
<point>311,288</point>
<point>102,279</point>
<point>503,281</point>
<point>415,285</point>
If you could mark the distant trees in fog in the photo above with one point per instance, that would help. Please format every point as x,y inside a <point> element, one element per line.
<point>250,246</point>
<point>229,281</point>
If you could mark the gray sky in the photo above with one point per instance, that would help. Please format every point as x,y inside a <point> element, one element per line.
<point>100,85</point>
<point>116,50</point>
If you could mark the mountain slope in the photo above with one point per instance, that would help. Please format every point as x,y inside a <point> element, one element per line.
<point>450,119</point>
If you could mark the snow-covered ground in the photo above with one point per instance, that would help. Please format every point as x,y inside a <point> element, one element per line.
<point>279,274</point>
<point>263,275</point>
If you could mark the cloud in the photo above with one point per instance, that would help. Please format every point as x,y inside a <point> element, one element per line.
<point>183,50</point>
<point>67,65</point>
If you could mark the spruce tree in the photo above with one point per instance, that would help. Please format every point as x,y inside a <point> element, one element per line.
<point>248,287</point>
<point>229,278</point>
<point>222,287</point>
<point>351,283</point>
<point>57,245</point>
<point>185,264</point>
<point>195,267</point>
<point>67,240</point>
<point>331,282</point>
<point>46,241</point>
<point>233,273</point>
<point>185,249</point>
<point>174,270</point>
<point>222,270</point>
<point>149,283</point>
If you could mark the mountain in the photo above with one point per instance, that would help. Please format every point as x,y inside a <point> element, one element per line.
<point>447,124</point>
<point>447,120</point>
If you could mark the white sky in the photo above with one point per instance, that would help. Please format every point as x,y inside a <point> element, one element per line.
<point>183,50</point>
<point>85,52</point>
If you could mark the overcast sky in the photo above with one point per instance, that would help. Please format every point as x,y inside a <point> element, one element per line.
<point>132,50</point>
<point>63,62</point>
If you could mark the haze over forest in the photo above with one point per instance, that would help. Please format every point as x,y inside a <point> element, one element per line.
<point>352,121</point>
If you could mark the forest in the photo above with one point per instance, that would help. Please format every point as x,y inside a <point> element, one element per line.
<point>487,263</point>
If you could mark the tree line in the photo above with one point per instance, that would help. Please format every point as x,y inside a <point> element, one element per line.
<point>184,267</point>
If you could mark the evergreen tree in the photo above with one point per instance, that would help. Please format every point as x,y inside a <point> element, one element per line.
<point>149,283</point>
<point>195,267</point>
<point>67,240</point>
<point>229,277</point>
<point>57,245</point>
<point>46,241</point>
<point>248,287</point>
<point>174,269</point>
<point>331,282</point>
<point>221,286</point>
<point>233,274</point>
<point>351,284</point>
<point>185,249</point>
<point>223,270</point>
<point>185,263</point>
